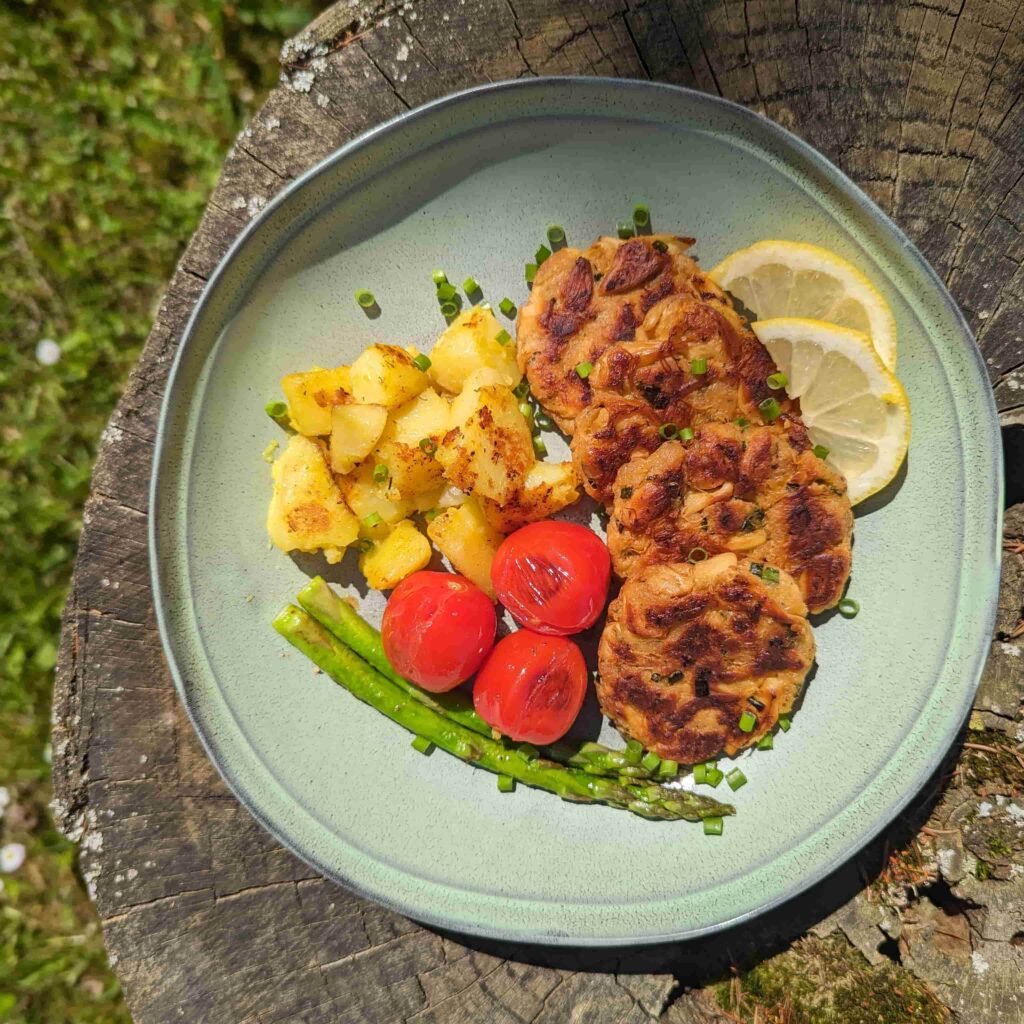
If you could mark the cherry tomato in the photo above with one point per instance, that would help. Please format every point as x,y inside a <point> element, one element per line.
<point>531,687</point>
<point>437,629</point>
<point>552,576</point>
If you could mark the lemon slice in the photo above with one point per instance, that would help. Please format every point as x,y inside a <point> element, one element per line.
<point>775,278</point>
<point>850,402</point>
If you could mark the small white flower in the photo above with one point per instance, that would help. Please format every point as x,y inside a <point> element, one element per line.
<point>47,351</point>
<point>12,856</point>
<point>5,799</point>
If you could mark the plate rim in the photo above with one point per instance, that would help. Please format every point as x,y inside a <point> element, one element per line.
<point>820,164</point>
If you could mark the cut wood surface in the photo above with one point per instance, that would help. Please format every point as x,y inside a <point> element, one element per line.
<point>207,918</point>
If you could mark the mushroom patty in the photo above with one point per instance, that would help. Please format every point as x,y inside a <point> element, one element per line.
<point>689,648</point>
<point>755,491</point>
<point>584,301</point>
<point>693,361</point>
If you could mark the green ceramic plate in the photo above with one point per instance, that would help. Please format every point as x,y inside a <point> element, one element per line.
<point>469,184</point>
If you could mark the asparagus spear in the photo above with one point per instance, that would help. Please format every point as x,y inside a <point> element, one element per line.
<point>348,626</point>
<point>364,681</point>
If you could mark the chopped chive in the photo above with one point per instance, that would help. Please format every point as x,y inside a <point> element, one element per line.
<point>527,410</point>
<point>470,286</point>
<point>507,306</point>
<point>766,742</point>
<point>276,410</point>
<point>668,431</point>
<point>583,370</point>
<point>655,677</point>
<point>380,473</point>
<point>439,277</point>
<point>755,703</point>
<point>659,246</point>
<point>700,773</point>
<point>820,451</point>
<point>422,362</point>
<point>446,292</point>
<point>541,254</point>
<point>770,574</point>
<point>522,389</point>
<point>747,722</point>
<point>530,271</point>
<point>634,751</point>
<point>713,826</point>
<point>743,423</point>
<point>697,555</point>
<point>540,449</point>
<point>736,779</point>
<point>506,784</point>
<point>785,723</point>
<point>431,514</point>
<point>668,769</point>
<point>713,776</point>
<point>626,493</point>
<point>363,545</point>
<point>650,761</point>
<point>686,434</point>
<point>777,380</point>
<point>641,216</point>
<point>449,310</point>
<point>428,445</point>
<point>422,744</point>
<point>699,366</point>
<point>503,337</point>
<point>848,608</point>
<point>556,234</point>
<point>543,420</point>
<point>770,409</point>
<point>365,299</point>
<point>756,568</point>
<point>625,229</point>
<point>675,676</point>
<point>372,520</point>
<point>529,750</point>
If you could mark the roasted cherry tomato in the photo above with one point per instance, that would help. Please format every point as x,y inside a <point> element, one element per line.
<point>531,687</point>
<point>552,576</point>
<point>437,629</point>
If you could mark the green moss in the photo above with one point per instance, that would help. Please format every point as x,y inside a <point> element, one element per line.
<point>823,981</point>
<point>116,119</point>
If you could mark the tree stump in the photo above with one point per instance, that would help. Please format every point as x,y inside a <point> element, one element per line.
<point>206,917</point>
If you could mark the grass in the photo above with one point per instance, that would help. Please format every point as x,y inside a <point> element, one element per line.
<point>114,121</point>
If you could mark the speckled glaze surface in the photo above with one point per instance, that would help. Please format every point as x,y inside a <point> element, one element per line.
<point>469,184</point>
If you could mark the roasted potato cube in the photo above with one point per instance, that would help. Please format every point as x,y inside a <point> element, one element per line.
<point>488,447</point>
<point>312,395</point>
<point>403,551</point>
<point>548,488</point>
<point>386,375</point>
<point>471,343</point>
<point>468,541</point>
<point>307,512</point>
<point>355,429</point>
<point>408,445</point>
<point>367,498</point>
<point>425,416</point>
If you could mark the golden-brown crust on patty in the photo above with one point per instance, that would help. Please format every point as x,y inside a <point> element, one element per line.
<point>756,491</point>
<point>655,372</point>
<point>583,301</point>
<point>689,648</point>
